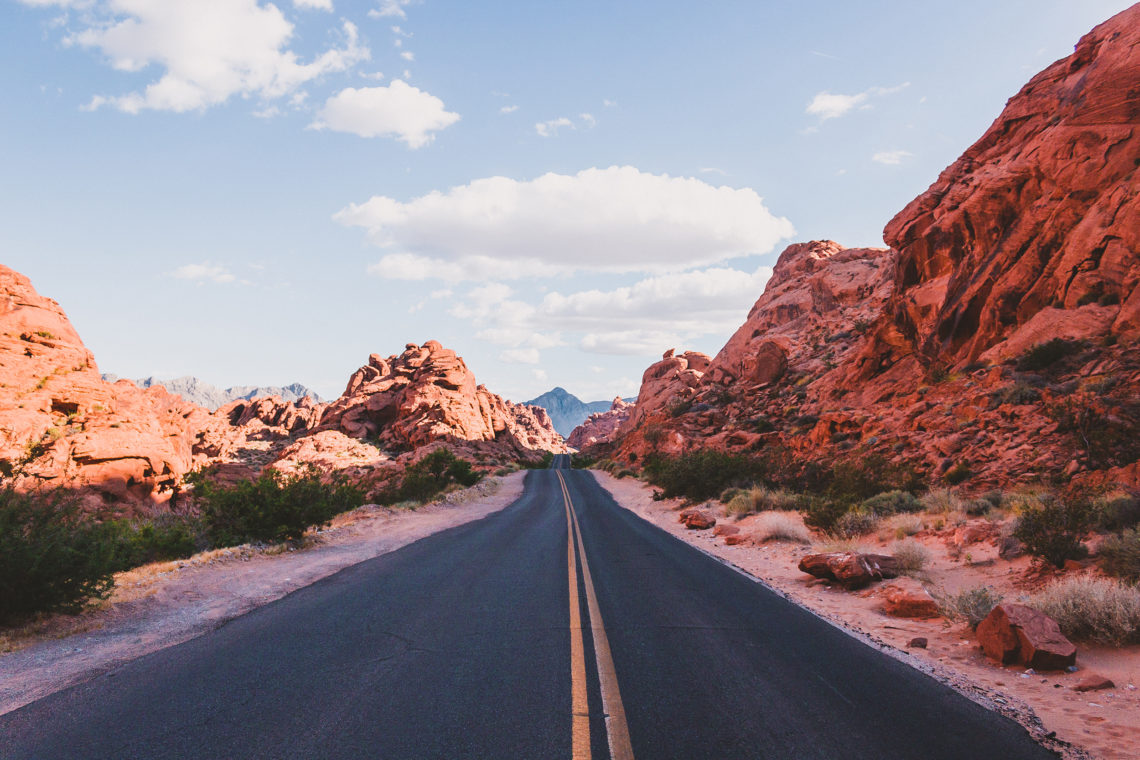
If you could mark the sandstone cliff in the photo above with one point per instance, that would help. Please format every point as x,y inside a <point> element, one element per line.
<point>600,427</point>
<point>996,340</point>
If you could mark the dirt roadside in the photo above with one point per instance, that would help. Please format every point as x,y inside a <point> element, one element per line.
<point>164,604</point>
<point>1101,724</point>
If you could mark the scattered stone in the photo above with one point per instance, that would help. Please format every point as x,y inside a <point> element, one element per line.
<point>851,570</point>
<point>918,642</point>
<point>1094,682</point>
<point>735,539</point>
<point>726,530</point>
<point>1016,633</point>
<point>697,519</point>
<point>907,598</point>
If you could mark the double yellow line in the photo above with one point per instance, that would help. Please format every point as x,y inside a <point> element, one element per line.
<point>616,728</point>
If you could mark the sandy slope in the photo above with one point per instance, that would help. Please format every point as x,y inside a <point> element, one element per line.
<point>167,603</point>
<point>1104,723</point>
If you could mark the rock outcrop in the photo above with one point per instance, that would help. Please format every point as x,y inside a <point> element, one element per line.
<point>851,570</point>
<point>114,442</point>
<point>212,397</point>
<point>426,394</point>
<point>600,427</point>
<point>993,343</point>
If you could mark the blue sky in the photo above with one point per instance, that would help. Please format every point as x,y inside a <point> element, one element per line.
<point>262,194</point>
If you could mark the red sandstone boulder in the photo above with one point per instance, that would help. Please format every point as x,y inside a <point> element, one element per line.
<point>734,539</point>
<point>907,598</point>
<point>851,570</point>
<point>1094,682</point>
<point>726,530</point>
<point>697,519</point>
<point>601,427</point>
<point>1016,633</point>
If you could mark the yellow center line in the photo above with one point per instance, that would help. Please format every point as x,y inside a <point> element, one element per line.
<point>616,727</point>
<point>579,707</point>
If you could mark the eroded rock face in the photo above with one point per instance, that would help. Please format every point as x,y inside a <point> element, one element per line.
<point>1034,229</point>
<point>111,441</point>
<point>601,427</point>
<point>1016,633</point>
<point>426,394</point>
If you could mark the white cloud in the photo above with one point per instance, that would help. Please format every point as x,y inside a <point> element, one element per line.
<point>375,75</point>
<point>204,273</point>
<point>713,170</point>
<point>398,110</point>
<point>631,342</point>
<point>207,50</point>
<point>390,8</point>
<point>520,356</point>
<point>540,375</point>
<point>550,128</point>
<point>508,109</point>
<point>618,219</point>
<point>321,5</point>
<point>588,120</point>
<point>891,157</point>
<point>408,55</point>
<point>828,105</point>
<point>267,113</point>
<point>609,103</point>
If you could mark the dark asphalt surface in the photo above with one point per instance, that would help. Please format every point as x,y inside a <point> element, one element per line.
<point>458,646</point>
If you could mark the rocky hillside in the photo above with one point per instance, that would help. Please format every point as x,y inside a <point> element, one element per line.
<point>995,341</point>
<point>566,410</point>
<point>601,427</point>
<point>128,447</point>
<point>212,397</point>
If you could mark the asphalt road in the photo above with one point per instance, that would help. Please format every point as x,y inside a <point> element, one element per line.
<point>466,645</point>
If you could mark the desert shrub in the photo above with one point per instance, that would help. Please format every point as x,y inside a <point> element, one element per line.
<point>762,499</point>
<point>541,464</point>
<point>959,473</point>
<point>729,494</point>
<point>1107,430</point>
<point>701,474</point>
<point>900,526</point>
<point>781,526</point>
<point>626,473</point>
<point>1117,511</point>
<point>913,557</point>
<point>823,513</point>
<point>977,507</point>
<point>52,556</point>
<point>941,500</point>
<point>971,605</point>
<point>1052,529</point>
<point>856,522</point>
<point>1019,393</point>
<point>1120,555</point>
<point>1092,609</point>
<point>155,539</point>
<point>431,476</point>
<point>1047,354</point>
<point>272,507</point>
<point>854,480</point>
<point>677,407</point>
<point>580,461</point>
<point>891,503</point>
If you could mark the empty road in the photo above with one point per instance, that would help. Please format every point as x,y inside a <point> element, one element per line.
<point>560,627</point>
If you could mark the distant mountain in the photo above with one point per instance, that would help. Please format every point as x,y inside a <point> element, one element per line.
<point>566,410</point>
<point>210,396</point>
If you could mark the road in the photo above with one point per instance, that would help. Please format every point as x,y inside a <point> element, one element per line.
<point>476,643</point>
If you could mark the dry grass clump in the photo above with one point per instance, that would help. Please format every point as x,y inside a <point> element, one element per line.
<point>941,500</point>
<point>760,499</point>
<point>781,526</point>
<point>1092,609</point>
<point>970,605</point>
<point>912,556</point>
<point>900,526</point>
<point>857,523</point>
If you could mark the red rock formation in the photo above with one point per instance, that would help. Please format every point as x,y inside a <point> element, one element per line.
<point>113,441</point>
<point>1016,633</point>
<point>921,354</point>
<point>907,598</point>
<point>427,394</point>
<point>601,427</point>
<point>1033,233</point>
<point>851,570</point>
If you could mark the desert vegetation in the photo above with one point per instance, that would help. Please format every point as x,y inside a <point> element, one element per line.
<point>431,476</point>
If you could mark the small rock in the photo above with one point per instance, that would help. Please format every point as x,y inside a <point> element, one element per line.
<point>735,538</point>
<point>1016,633</point>
<point>1094,682</point>
<point>918,642</point>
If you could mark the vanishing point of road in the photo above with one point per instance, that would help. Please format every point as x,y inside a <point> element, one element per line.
<point>561,627</point>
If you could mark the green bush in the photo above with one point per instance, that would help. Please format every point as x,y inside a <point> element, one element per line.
<point>431,476</point>
<point>542,464</point>
<point>824,513</point>
<point>959,473</point>
<point>52,556</point>
<point>1117,512</point>
<point>1120,555</point>
<point>701,474</point>
<point>1047,354</point>
<point>892,503</point>
<point>1052,529</point>
<point>273,507</point>
<point>855,480</point>
<point>164,537</point>
<point>971,605</point>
